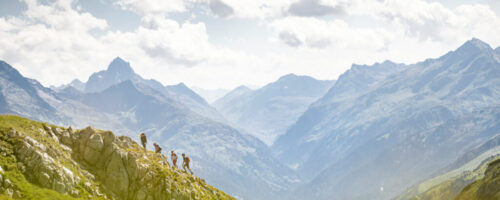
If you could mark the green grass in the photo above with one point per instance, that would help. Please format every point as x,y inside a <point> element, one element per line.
<point>9,164</point>
<point>449,185</point>
<point>31,128</point>
<point>472,191</point>
<point>183,181</point>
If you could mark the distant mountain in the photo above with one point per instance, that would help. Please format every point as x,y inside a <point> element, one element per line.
<point>351,84</point>
<point>395,125</point>
<point>210,95</point>
<point>19,95</point>
<point>235,97</point>
<point>239,163</point>
<point>267,112</point>
<point>219,152</point>
<point>188,97</point>
<point>119,71</point>
<point>76,84</point>
<point>28,98</point>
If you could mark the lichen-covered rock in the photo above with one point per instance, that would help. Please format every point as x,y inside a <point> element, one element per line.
<point>90,163</point>
<point>93,148</point>
<point>39,167</point>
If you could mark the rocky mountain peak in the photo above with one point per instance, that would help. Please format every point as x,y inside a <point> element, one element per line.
<point>118,71</point>
<point>118,65</point>
<point>8,71</point>
<point>473,46</point>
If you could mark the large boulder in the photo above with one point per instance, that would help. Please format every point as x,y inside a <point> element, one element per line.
<point>93,148</point>
<point>42,168</point>
<point>116,175</point>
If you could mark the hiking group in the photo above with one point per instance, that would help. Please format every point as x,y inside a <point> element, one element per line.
<point>173,155</point>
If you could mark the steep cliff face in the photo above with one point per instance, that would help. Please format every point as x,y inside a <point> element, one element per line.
<point>40,161</point>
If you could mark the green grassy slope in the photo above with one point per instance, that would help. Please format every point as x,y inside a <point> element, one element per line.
<point>486,188</point>
<point>42,161</point>
<point>447,186</point>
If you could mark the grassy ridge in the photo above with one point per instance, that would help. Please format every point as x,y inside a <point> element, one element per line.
<point>16,130</point>
<point>486,188</point>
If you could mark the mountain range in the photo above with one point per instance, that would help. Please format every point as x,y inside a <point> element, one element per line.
<point>267,112</point>
<point>173,116</point>
<point>384,127</point>
<point>375,133</point>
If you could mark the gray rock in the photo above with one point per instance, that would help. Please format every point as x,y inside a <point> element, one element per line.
<point>93,149</point>
<point>12,133</point>
<point>44,180</point>
<point>21,167</point>
<point>108,137</point>
<point>60,187</point>
<point>17,195</point>
<point>9,192</point>
<point>117,177</point>
<point>7,183</point>
<point>74,193</point>
<point>66,138</point>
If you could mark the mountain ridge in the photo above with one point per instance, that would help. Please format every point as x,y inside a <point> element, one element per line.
<point>385,114</point>
<point>175,126</point>
<point>62,163</point>
<point>268,111</point>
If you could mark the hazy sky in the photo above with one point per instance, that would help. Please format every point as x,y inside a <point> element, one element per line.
<point>226,43</point>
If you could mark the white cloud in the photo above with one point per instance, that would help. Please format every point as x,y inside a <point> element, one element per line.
<point>317,7</point>
<point>433,21</point>
<point>222,8</point>
<point>316,33</point>
<point>48,39</point>
<point>58,38</point>
<point>146,7</point>
<point>44,44</point>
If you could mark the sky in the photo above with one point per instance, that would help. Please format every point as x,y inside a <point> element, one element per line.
<point>214,44</point>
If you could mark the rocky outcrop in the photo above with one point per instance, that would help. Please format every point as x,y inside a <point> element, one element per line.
<point>89,163</point>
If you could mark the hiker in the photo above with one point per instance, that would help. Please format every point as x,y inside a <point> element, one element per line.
<point>173,156</point>
<point>143,140</point>
<point>185,163</point>
<point>157,148</point>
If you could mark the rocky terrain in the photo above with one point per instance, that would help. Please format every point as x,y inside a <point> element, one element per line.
<point>42,161</point>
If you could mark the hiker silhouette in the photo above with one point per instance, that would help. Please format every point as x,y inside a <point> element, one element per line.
<point>185,163</point>
<point>157,148</point>
<point>173,156</point>
<point>144,140</point>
